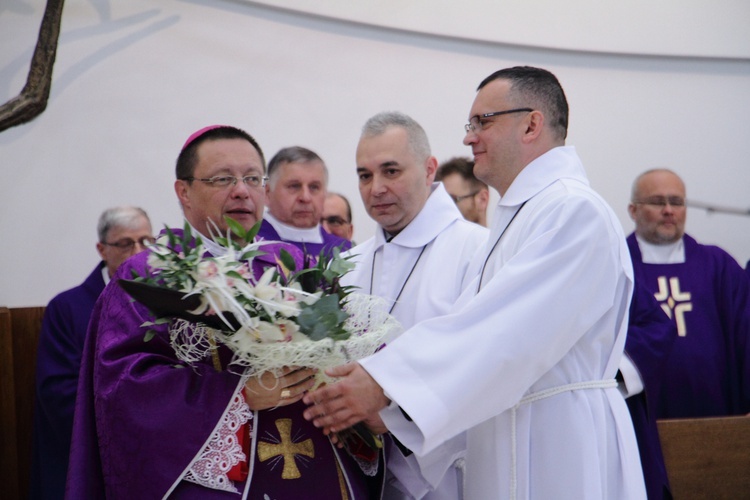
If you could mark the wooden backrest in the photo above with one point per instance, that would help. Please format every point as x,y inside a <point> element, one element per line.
<point>707,457</point>
<point>19,336</point>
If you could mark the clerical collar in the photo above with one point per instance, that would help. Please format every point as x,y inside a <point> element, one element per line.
<point>388,236</point>
<point>670,253</point>
<point>105,274</point>
<point>291,233</point>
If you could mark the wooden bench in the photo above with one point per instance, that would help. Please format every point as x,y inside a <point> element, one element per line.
<point>707,458</point>
<point>19,335</point>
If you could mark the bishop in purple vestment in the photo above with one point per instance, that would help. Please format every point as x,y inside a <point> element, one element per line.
<point>149,426</point>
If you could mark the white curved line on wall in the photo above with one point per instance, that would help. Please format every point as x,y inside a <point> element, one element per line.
<point>682,28</point>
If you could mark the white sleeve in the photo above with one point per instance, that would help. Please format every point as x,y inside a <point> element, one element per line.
<point>632,381</point>
<point>420,474</point>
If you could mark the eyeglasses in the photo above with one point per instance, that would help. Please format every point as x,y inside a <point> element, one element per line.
<point>662,201</point>
<point>457,199</point>
<point>477,122</point>
<point>223,181</point>
<point>128,243</point>
<point>334,220</point>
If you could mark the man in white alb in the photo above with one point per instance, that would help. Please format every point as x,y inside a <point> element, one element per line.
<point>416,261</point>
<point>526,360</point>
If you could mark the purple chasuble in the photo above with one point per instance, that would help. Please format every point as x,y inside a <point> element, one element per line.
<point>58,361</point>
<point>708,297</point>
<point>651,336</point>
<point>330,241</point>
<point>142,416</point>
<point>293,460</point>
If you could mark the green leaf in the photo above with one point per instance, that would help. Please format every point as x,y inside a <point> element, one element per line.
<point>235,275</point>
<point>247,236</point>
<point>235,227</point>
<point>149,335</point>
<point>287,260</point>
<point>251,254</point>
<point>253,232</point>
<point>323,319</point>
<point>341,266</point>
<point>156,322</point>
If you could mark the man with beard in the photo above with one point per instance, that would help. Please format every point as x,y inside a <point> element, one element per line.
<point>704,291</point>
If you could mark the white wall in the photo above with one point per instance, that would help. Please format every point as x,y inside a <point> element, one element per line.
<point>134,78</point>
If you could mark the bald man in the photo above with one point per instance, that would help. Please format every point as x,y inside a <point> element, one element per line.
<point>705,293</point>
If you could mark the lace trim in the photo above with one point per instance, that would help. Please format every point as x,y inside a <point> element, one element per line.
<point>369,467</point>
<point>223,450</point>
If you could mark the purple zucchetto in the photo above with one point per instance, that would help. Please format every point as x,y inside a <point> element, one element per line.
<point>198,133</point>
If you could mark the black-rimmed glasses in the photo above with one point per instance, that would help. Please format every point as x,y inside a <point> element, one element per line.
<point>476,122</point>
<point>223,181</point>
<point>662,201</point>
<point>457,199</point>
<point>334,220</point>
<point>128,244</point>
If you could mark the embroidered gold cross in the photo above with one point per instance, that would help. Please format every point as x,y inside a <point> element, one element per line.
<point>286,449</point>
<point>674,302</point>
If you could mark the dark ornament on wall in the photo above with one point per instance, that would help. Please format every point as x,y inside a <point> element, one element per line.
<point>32,100</point>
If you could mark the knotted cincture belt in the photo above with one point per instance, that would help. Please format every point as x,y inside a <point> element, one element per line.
<point>536,396</point>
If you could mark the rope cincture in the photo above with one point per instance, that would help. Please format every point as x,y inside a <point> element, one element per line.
<point>536,396</point>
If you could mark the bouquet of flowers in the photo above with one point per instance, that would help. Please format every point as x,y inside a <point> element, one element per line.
<point>295,314</point>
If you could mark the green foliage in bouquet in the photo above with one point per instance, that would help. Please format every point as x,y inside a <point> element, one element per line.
<point>225,289</point>
<point>323,318</point>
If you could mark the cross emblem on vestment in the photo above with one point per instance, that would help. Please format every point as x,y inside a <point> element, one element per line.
<point>674,302</point>
<point>286,449</point>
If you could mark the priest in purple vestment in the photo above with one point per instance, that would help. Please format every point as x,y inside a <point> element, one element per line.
<point>149,426</point>
<point>706,294</point>
<point>296,191</point>
<point>122,232</point>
